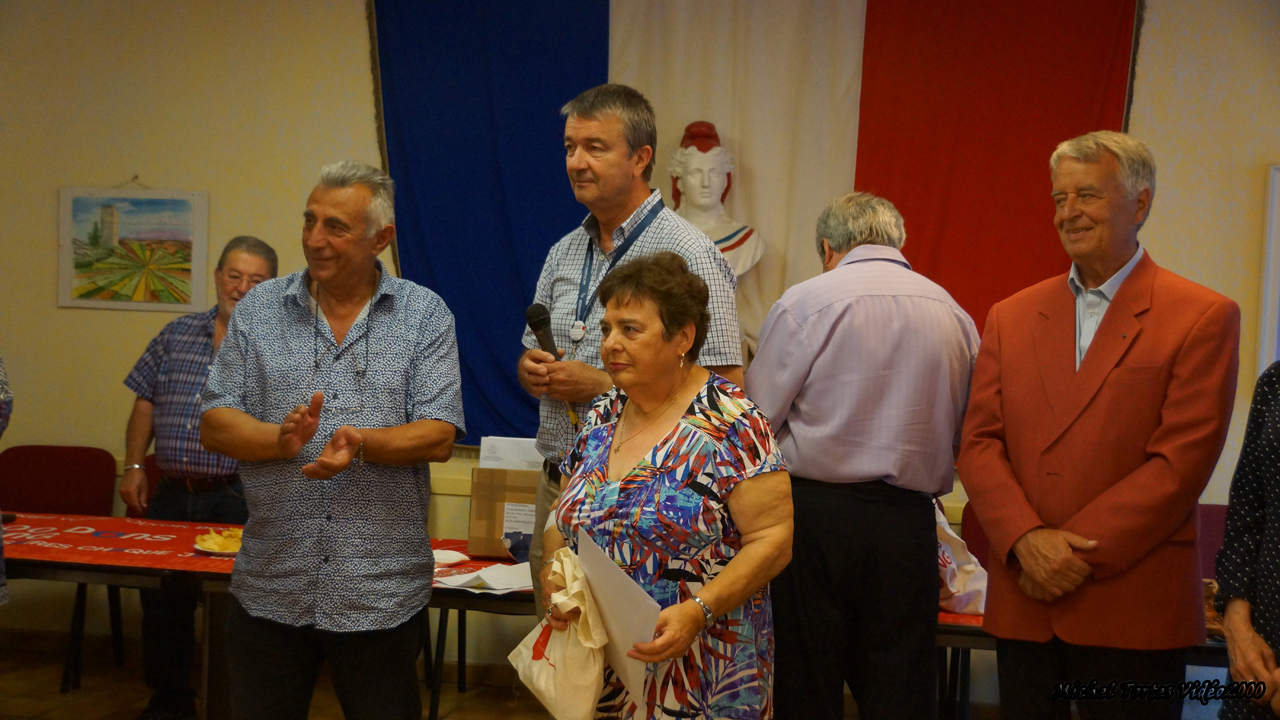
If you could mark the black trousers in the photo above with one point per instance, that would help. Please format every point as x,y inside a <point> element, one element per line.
<point>858,604</point>
<point>1029,672</point>
<point>273,668</point>
<point>168,614</point>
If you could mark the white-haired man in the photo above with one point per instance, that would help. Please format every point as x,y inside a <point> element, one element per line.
<point>334,388</point>
<point>863,372</point>
<point>1101,400</point>
<point>609,136</point>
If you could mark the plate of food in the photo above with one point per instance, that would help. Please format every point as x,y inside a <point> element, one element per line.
<point>219,544</point>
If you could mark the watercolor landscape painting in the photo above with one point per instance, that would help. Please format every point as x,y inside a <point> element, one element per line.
<point>133,249</point>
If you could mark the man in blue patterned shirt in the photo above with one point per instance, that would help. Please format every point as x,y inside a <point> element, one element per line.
<point>196,485</point>
<point>609,136</point>
<point>334,388</point>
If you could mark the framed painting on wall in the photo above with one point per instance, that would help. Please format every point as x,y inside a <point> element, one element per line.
<point>127,249</point>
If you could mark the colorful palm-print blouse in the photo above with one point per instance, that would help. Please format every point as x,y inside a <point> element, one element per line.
<point>668,526</point>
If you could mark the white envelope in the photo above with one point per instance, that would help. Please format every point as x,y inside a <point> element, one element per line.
<point>630,615</point>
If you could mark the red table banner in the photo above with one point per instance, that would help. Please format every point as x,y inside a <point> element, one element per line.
<point>130,542</point>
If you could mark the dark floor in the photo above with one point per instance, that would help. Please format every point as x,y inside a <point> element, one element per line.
<point>31,675</point>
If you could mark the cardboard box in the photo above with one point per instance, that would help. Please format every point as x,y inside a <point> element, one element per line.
<point>502,513</point>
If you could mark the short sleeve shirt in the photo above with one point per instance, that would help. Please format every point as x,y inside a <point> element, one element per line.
<point>561,279</point>
<point>171,375</point>
<point>350,553</point>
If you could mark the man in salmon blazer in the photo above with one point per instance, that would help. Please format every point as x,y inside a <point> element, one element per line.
<point>1099,406</point>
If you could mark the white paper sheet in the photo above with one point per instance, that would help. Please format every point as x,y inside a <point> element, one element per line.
<point>506,453</point>
<point>504,578</point>
<point>630,615</point>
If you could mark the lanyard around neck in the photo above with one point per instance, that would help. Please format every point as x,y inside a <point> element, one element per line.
<point>587,295</point>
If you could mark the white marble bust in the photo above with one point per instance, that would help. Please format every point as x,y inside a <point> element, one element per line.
<point>701,177</point>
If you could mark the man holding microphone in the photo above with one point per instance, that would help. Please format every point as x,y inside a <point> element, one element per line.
<point>609,136</point>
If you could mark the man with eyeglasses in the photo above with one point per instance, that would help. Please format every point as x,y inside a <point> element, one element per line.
<point>334,388</point>
<point>195,485</point>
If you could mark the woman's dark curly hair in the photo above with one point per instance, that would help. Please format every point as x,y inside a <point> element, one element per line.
<point>664,278</point>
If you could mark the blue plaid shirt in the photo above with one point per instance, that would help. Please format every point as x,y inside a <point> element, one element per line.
<point>350,553</point>
<point>171,375</point>
<point>558,290</point>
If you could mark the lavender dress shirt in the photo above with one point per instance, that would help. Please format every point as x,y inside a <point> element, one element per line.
<point>864,372</point>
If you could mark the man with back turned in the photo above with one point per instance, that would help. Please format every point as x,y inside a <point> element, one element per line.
<point>863,372</point>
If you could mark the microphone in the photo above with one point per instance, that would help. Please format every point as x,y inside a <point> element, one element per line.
<point>539,319</point>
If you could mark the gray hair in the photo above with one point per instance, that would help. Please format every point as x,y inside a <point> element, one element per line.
<point>860,219</point>
<point>680,157</point>
<point>253,246</point>
<point>632,109</point>
<point>382,206</point>
<point>1137,164</point>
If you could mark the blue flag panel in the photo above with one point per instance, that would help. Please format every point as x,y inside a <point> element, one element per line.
<point>471,95</point>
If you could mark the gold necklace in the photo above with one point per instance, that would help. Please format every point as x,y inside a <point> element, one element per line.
<point>655,419</point>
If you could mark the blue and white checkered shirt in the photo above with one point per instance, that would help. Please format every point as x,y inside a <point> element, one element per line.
<point>350,553</point>
<point>558,290</point>
<point>171,375</point>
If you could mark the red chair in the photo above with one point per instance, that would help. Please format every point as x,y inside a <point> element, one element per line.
<point>63,479</point>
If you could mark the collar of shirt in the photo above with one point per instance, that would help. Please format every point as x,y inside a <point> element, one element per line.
<point>210,318</point>
<point>592,226</point>
<point>863,253</point>
<point>300,289</point>
<point>1108,288</point>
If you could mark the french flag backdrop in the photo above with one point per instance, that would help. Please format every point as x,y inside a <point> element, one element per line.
<point>948,110</point>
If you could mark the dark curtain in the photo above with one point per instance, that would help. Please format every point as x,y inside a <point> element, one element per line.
<point>961,106</point>
<point>471,94</point>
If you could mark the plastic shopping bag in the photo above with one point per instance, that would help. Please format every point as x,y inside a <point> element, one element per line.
<point>565,669</point>
<point>962,582</point>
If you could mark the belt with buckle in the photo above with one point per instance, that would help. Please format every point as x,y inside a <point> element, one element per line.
<point>203,484</point>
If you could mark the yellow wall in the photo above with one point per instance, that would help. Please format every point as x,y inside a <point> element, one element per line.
<point>245,100</point>
<point>240,98</point>
<point>1207,101</point>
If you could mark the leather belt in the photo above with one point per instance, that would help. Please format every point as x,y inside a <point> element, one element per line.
<point>203,484</point>
<point>553,472</point>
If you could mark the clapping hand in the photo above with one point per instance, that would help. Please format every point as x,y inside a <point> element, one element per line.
<point>338,454</point>
<point>299,427</point>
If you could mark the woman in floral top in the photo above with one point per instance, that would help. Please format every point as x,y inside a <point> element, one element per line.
<point>676,476</point>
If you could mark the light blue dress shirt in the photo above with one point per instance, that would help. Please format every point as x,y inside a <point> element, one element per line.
<point>864,374</point>
<point>1091,305</point>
